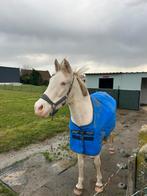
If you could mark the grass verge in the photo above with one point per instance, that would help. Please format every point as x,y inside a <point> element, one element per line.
<point>19,126</point>
<point>4,191</point>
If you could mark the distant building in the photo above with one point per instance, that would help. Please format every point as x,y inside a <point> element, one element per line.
<point>9,75</point>
<point>129,89</point>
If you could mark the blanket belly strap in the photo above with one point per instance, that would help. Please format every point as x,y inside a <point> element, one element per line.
<point>83,135</point>
<point>82,138</point>
<point>83,132</point>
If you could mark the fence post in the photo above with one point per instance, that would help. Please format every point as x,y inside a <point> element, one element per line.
<point>141,172</point>
<point>131,184</point>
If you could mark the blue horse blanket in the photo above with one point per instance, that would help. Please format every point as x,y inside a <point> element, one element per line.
<point>88,139</point>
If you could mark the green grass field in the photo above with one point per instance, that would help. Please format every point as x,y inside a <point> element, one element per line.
<point>19,126</point>
<point>5,191</point>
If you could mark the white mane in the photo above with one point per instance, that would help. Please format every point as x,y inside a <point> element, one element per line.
<point>81,70</point>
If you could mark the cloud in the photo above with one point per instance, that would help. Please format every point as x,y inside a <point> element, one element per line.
<point>136,2</point>
<point>94,32</point>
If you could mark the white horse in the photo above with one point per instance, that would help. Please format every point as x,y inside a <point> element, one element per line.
<point>67,87</point>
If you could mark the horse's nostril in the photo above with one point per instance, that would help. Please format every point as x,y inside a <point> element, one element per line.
<point>40,108</point>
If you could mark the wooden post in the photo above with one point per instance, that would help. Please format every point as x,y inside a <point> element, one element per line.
<point>131,175</point>
<point>141,158</point>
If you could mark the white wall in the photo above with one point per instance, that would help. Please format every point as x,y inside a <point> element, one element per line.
<point>92,81</point>
<point>127,82</point>
<point>131,81</point>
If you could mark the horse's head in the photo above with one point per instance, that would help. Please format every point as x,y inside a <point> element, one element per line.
<point>57,92</point>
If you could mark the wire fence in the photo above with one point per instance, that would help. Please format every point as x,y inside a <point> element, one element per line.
<point>22,87</point>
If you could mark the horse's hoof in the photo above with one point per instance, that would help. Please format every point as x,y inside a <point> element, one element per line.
<point>78,191</point>
<point>99,189</point>
<point>112,150</point>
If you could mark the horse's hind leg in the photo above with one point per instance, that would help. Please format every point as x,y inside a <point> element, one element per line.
<point>111,148</point>
<point>99,185</point>
<point>79,185</point>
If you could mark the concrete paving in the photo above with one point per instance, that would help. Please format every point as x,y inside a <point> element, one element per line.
<point>35,176</point>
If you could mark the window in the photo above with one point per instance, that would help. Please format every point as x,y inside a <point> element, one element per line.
<point>106,83</point>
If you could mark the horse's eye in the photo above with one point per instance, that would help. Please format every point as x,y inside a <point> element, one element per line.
<point>63,83</point>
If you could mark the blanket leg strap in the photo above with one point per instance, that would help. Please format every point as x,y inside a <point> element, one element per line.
<point>111,148</point>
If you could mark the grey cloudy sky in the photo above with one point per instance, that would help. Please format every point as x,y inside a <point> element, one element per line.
<point>108,35</point>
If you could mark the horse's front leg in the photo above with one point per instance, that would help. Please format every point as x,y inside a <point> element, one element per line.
<point>99,184</point>
<point>79,185</point>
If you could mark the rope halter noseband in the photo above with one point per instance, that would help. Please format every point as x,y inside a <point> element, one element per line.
<point>60,101</point>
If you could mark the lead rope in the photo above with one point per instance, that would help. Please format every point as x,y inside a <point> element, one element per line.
<point>139,191</point>
<point>120,167</point>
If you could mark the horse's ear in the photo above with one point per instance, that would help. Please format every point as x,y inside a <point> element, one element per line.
<point>65,66</point>
<point>57,65</point>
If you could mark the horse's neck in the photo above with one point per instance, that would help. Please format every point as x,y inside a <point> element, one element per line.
<point>80,106</point>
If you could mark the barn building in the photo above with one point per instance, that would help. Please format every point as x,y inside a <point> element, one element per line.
<point>129,89</point>
<point>9,75</point>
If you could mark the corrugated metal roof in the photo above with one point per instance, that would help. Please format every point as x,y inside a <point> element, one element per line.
<point>9,67</point>
<point>110,73</point>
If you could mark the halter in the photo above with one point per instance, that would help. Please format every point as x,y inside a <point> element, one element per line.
<point>60,101</point>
